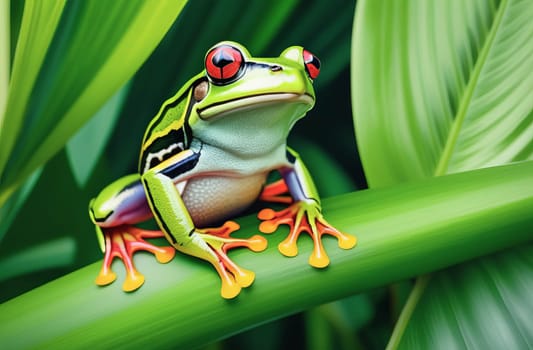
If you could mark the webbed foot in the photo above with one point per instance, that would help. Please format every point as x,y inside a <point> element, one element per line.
<point>122,242</point>
<point>233,277</point>
<point>304,216</point>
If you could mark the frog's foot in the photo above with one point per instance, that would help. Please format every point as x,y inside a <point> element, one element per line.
<point>304,216</point>
<point>219,241</point>
<point>122,242</point>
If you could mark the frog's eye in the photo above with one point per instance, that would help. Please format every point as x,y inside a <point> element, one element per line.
<point>224,63</point>
<point>312,64</point>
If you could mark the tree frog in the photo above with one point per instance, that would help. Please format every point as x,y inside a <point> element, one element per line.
<point>205,158</point>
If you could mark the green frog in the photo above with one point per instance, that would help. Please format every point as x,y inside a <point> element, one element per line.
<point>205,158</point>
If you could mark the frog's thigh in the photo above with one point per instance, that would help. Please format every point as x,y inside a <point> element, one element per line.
<point>211,199</point>
<point>122,202</point>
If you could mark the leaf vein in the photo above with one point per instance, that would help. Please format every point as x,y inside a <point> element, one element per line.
<point>466,100</point>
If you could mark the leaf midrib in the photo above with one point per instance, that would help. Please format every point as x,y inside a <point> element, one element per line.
<point>460,116</point>
<point>423,281</point>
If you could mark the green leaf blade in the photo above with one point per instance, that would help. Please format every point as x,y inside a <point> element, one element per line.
<point>456,323</point>
<point>10,209</point>
<point>86,72</point>
<point>5,57</point>
<point>497,126</point>
<point>39,23</point>
<point>86,146</point>
<point>435,79</point>
<point>53,254</point>
<point>448,89</point>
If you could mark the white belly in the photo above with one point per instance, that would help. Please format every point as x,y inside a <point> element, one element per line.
<point>210,199</point>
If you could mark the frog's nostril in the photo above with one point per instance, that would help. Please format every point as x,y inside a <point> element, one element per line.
<point>276,68</point>
<point>200,91</point>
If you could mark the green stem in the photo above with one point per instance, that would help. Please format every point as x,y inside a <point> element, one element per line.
<point>400,236</point>
<point>409,308</point>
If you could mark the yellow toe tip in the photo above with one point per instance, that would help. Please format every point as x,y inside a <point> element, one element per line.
<point>105,279</point>
<point>133,282</point>
<point>288,249</point>
<point>166,255</point>
<point>347,242</point>
<point>319,261</point>
<point>230,291</point>
<point>258,243</point>
<point>245,278</point>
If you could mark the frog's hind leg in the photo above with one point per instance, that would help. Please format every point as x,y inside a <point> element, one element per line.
<point>212,245</point>
<point>114,212</point>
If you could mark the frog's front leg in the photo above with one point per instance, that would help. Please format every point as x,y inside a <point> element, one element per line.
<point>305,214</point>
<point>209,244</point>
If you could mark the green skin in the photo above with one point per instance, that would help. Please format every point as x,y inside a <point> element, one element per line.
<point>206,155</point>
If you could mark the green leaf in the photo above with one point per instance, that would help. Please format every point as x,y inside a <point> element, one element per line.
<point>334,325</point>
<point>322,30</point>
<point>263,21</point>
<point>179,306</point>
<point>5,58</point>
<point>443,87</point>
<point>85,148</point>
<point>39,23</point>
<point>318,332</point>
<point>55,253</point>
<point>97,49</point>
<point>452,318</point>
<point>10,209</point>
<point>16,11</point>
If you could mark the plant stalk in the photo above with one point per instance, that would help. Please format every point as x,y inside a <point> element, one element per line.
<point>403,231</point>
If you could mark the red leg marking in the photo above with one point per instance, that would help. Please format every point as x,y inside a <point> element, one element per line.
<point>276,192</point>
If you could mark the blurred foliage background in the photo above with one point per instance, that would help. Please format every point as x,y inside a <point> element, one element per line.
<point>126,57</point>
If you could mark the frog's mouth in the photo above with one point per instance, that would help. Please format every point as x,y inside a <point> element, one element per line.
<point>230,106</point>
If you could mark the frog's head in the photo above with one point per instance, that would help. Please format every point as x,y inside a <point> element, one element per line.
<point>238,90</point>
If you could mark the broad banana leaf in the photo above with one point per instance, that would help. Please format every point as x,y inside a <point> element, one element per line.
<point>442,87</point>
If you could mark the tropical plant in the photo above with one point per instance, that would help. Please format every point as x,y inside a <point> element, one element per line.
<point>442,99</point>
<point>449,89</point>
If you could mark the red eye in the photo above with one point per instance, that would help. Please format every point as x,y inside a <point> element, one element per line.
<point>224,63</point>
<point>312,64</point>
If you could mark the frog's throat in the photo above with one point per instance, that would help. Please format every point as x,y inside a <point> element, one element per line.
<point>219,108</point>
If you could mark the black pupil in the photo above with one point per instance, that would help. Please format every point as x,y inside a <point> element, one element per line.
<point>315,62</point>
<point>222,59</point>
